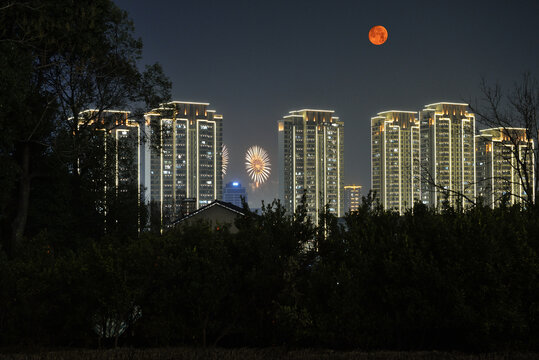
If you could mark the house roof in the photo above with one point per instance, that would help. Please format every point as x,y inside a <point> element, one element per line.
<point>223,204</point>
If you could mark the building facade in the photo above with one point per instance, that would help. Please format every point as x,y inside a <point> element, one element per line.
<point>311,150</point>
<point>117,148</point>
<point>505,166</point>
<point>233,193</point>
<point>447,154</point>
<point>111,161</point>
<point>352,197</point>
<point>185,156</point>
<point>395,159</point>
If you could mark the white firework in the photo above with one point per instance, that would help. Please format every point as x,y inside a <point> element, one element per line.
<point>257,164</point>
<point>224,157</point>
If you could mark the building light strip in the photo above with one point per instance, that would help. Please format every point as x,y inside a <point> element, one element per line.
<point>310,110</point>
<point>161,170</point>
<point>198,164</point>
<point>384,177</point>
<point>462,174</point>
<point>316,160</point>
<point>325,165</point>
<point>188,160</point>
<point>293,168</point>
<point>400,171</point>
<point>434,138</point>
<point>450,127</point>
<point>173,172</point>
<point>338,172</point>
<point>215,160</point>
<point>492,173</point>
<point>474,159</point>
<point>513,160</point>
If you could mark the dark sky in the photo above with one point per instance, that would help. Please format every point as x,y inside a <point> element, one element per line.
<point>254,61</point>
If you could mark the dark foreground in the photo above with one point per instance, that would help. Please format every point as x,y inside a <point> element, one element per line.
<point>256,354</point>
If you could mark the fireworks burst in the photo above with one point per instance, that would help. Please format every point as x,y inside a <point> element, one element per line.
<point>224,155</point>
<point>257,164</point>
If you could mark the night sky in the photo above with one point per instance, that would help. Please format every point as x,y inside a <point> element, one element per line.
<point>254,61</point>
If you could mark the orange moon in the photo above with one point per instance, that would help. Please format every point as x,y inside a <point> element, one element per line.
<point>378,35</point>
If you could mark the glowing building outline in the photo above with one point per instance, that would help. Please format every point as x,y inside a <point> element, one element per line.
<point>447,154</point>
<point>116,126</point>
<point>395,154</point>
<point>311,160</point>
<point>497,172</point>
<point>187,165</point>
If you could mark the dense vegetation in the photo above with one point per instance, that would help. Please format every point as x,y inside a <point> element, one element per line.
<point>274,353</point>
<point>465,281</point>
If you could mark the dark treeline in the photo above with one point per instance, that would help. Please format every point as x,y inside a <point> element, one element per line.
<point>460,281</point>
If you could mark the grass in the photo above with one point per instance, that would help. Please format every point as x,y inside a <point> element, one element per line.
<point>254,354</point>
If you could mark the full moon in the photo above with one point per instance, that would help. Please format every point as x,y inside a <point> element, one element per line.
<point>378,35</point>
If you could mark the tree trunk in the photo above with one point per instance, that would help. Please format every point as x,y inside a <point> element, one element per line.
<point>19,223</point>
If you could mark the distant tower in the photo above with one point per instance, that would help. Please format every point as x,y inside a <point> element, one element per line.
<point>311,161</point>
<point>233,192</point>
<point>187,161</point>
<point>503,171</point>
<point>352,197</point>
<point>395,172</point>
<point>447,154</point>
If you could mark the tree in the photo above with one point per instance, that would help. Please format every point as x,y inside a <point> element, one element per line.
<point>76,55</point>
<point>513,119</point>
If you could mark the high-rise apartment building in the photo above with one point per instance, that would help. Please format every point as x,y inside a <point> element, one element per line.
<point>112,161</point>
<point>234,192</point>
<point>505,165</point>
<point>447,154</point>
<point>185,159</point>
<point>395,167</point>
<point>352,197</point>
<point>119,145</point>
<point>311,161</point>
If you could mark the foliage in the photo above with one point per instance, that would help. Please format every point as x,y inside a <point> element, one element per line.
<point>272,353</point>
<point>425,280</point>
<point>57,59</point>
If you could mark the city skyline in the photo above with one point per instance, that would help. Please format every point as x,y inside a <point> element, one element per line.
<point>257,70</point>
<point>412,158</point>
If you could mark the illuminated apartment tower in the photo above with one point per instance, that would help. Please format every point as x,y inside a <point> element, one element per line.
<point>352,197</point>
<point>505,165</point>
<point>311,161</point>
<point>120,147</point>
<point>395,159</point>
<point>112,159</point>
<point>185,167</point>
<point>447,154</point>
